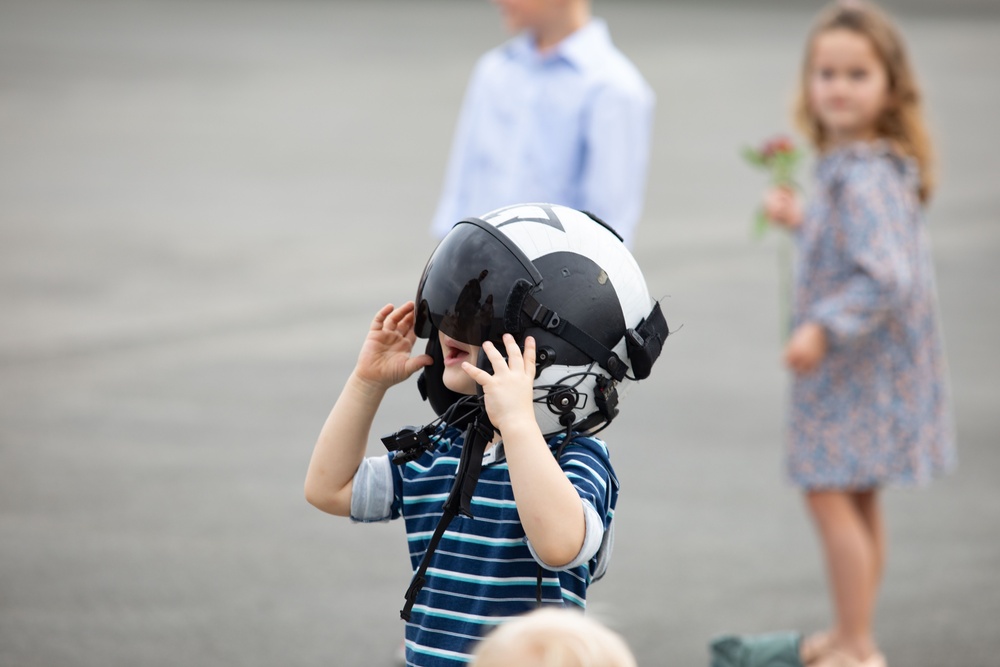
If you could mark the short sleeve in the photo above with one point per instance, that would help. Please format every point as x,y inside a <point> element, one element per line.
<point>593,539</point>
<point>585,462</point>
<point>372,493</point>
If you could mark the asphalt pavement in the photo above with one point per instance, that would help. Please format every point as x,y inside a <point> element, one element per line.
<point>203,203</point>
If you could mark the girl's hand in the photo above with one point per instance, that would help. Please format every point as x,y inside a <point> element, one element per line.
<point>806,348</point>
<point>782,207</point>
<point>385,355</point>
<point>509,392</point>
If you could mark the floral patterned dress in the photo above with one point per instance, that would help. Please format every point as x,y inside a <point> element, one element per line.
<point>877,409</point>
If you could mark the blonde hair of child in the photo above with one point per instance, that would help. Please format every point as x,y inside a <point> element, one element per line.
<point>902,121</point>
<point>553,638</point>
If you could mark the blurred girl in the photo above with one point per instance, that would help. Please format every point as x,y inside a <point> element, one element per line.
<point>869,404</point>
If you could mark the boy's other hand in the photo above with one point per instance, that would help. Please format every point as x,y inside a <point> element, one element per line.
<point>509,393</point>
<point>385,355</point>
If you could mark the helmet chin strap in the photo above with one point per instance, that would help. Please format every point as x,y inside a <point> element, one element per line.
<point>477,436</point>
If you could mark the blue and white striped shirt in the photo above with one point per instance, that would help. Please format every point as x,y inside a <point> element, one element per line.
<point>484,570</point>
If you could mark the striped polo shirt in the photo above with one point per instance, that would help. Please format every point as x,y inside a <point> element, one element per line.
<point>483,570</point>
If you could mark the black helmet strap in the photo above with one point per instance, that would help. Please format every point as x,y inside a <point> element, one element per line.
<point>470,463</point>
<point>643,343</point>
<point>550,320</point>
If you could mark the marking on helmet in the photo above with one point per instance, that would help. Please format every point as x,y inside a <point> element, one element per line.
<point>551,219</point>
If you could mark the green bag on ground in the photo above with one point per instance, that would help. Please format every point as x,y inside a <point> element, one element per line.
<point>776,649</point>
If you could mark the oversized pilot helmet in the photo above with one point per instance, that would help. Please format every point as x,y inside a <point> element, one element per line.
<point>560,275</point>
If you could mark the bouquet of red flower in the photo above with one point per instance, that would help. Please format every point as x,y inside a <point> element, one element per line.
<point>780,158</point>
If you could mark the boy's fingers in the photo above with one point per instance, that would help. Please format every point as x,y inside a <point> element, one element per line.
<point>513,351</point>
<point>397,315</point>
<point>493,354</point>
<point>529,355</point>
<point>405,323</point>
<point>475,373</point>
<point>380,316</point>
<point>414,364</point>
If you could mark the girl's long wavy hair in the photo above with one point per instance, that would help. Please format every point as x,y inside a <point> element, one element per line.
<point>902,121</point>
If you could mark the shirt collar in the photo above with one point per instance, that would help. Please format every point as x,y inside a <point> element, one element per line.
<point>584,49</point>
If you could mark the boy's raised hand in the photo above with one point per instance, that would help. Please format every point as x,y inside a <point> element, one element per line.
<point>385,355</point>
<point>508,393</point>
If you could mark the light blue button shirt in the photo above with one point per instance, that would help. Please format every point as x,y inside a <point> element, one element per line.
<point>568,126</point>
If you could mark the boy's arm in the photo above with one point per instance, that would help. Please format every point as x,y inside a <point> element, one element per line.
<point>341,446</point>
<point>384,361</point>
<point>549,506</point>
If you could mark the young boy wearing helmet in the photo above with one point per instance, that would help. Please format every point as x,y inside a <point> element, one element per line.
<point>535,316</point>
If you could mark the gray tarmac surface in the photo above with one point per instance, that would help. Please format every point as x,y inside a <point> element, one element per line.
<point>203,203</point>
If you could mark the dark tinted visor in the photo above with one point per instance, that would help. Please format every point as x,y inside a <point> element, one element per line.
<point>467,281</point>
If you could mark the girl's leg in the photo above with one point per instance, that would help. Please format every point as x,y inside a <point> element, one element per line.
<point>852,563</point>
<point>869,506</point>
